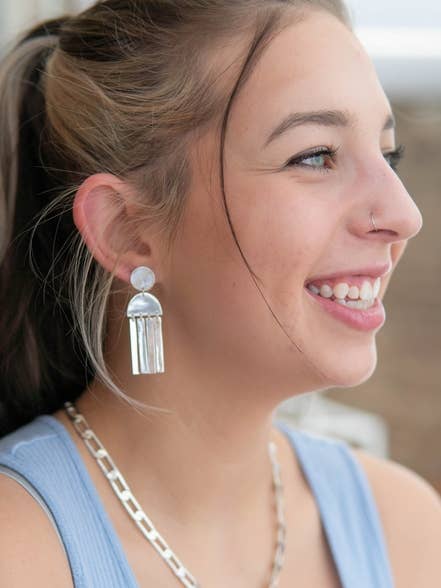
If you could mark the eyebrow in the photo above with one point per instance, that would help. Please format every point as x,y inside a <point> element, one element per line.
<point>326,118</point>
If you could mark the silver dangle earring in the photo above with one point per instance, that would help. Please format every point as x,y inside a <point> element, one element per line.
<point>144,312</point>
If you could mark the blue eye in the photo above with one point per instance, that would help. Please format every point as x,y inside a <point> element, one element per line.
<point>323,158</point>
<point>315,160</point>
<point>394,157</point>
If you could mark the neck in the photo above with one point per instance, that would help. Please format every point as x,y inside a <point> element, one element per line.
<point>203,456</point>
<point>198,460</point>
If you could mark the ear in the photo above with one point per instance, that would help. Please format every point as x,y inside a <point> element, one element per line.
<point>104,214</point>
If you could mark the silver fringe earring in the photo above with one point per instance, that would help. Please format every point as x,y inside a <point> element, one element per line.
<point>144,312</point>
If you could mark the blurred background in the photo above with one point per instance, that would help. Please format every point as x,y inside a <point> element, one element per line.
<point>397,413</point>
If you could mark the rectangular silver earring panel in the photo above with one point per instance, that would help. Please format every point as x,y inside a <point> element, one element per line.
<point>159,354</point>
<point>146,344</point>
<point>134,346</point>
<point>143,342</point>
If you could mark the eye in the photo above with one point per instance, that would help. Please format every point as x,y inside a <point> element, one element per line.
<point>394,157</point>
<point>317,160</point>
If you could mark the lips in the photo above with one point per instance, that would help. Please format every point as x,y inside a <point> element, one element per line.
<point>363,316</point>
<point>361,320</point>
<point>372,271</point>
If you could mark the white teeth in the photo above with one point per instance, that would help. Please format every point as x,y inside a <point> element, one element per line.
<point>366,291</point>
<point>351,296</point>
<point>376,288</point>
<point>353,303</point>
<point>360,304</point>
<point>341,290</point>
<point>326,291</point>
<point>354,293</point>
<point>314,289</point>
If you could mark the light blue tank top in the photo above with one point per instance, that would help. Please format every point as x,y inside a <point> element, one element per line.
<point>43,458</point>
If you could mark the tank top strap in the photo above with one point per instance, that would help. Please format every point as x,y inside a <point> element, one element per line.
<point>347,508</point>
<point>42,454</point>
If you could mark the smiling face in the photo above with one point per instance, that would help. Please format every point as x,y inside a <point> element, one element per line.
<point>300,212</point>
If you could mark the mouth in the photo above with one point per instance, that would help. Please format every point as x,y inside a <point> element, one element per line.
<point>351,298</point>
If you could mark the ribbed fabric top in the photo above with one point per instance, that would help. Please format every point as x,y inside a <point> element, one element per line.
<point>43,452</point>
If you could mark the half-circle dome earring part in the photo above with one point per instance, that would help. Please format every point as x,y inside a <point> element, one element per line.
<point>144,313</point>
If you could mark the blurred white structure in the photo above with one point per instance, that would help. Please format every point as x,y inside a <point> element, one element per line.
<point>403,38</point>
<point>325,417</point>
<point>17,15</point>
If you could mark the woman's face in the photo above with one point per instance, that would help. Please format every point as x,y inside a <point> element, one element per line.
<point>294,221</point>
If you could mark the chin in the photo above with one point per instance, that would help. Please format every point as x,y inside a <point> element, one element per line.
<point>346,369</point>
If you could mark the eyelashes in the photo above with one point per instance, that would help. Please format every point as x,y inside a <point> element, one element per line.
<point>395,156</point>
<point>328,154</point>
<point>320,153</point>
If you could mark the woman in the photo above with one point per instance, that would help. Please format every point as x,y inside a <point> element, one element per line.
<point>221,174</point>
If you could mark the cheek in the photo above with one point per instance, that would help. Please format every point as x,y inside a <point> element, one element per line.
<point>283,230</point>
<point>213,304</point>
<point>208,283</point>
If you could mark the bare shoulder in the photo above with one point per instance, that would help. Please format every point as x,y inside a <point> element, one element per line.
<point>410,511</point>
<point>30,551</point>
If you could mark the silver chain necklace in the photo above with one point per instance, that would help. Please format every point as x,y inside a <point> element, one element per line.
<point>143,522</point>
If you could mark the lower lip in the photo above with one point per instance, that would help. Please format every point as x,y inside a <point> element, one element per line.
<point>363,320</point>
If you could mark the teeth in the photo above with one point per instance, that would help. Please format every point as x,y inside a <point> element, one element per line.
<point>354,293</point>
<point>377,286</point>
<point>353,303</point>
<point>360,304</point>
<point>351,296</point>
<point>341,290</point>
<point>366,291</point>
<point>326,291</point>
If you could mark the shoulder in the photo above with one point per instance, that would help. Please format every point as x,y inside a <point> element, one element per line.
<point>31,553</point>
<point>410,512</point>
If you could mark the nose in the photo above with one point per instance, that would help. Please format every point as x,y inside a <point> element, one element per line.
<point>397,217</point>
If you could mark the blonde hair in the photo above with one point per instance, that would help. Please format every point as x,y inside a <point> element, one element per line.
<point>119,88</point>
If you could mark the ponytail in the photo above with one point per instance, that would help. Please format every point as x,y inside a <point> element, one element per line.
<point>39,358</point>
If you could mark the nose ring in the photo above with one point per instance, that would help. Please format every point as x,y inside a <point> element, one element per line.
<point>373,223</point>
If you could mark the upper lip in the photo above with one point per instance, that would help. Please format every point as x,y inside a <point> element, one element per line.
<point>373,271</point>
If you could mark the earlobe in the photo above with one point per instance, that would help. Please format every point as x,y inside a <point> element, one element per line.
<point>99,212</point>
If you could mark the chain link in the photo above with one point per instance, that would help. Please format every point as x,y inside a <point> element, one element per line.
<point>143,522</point>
